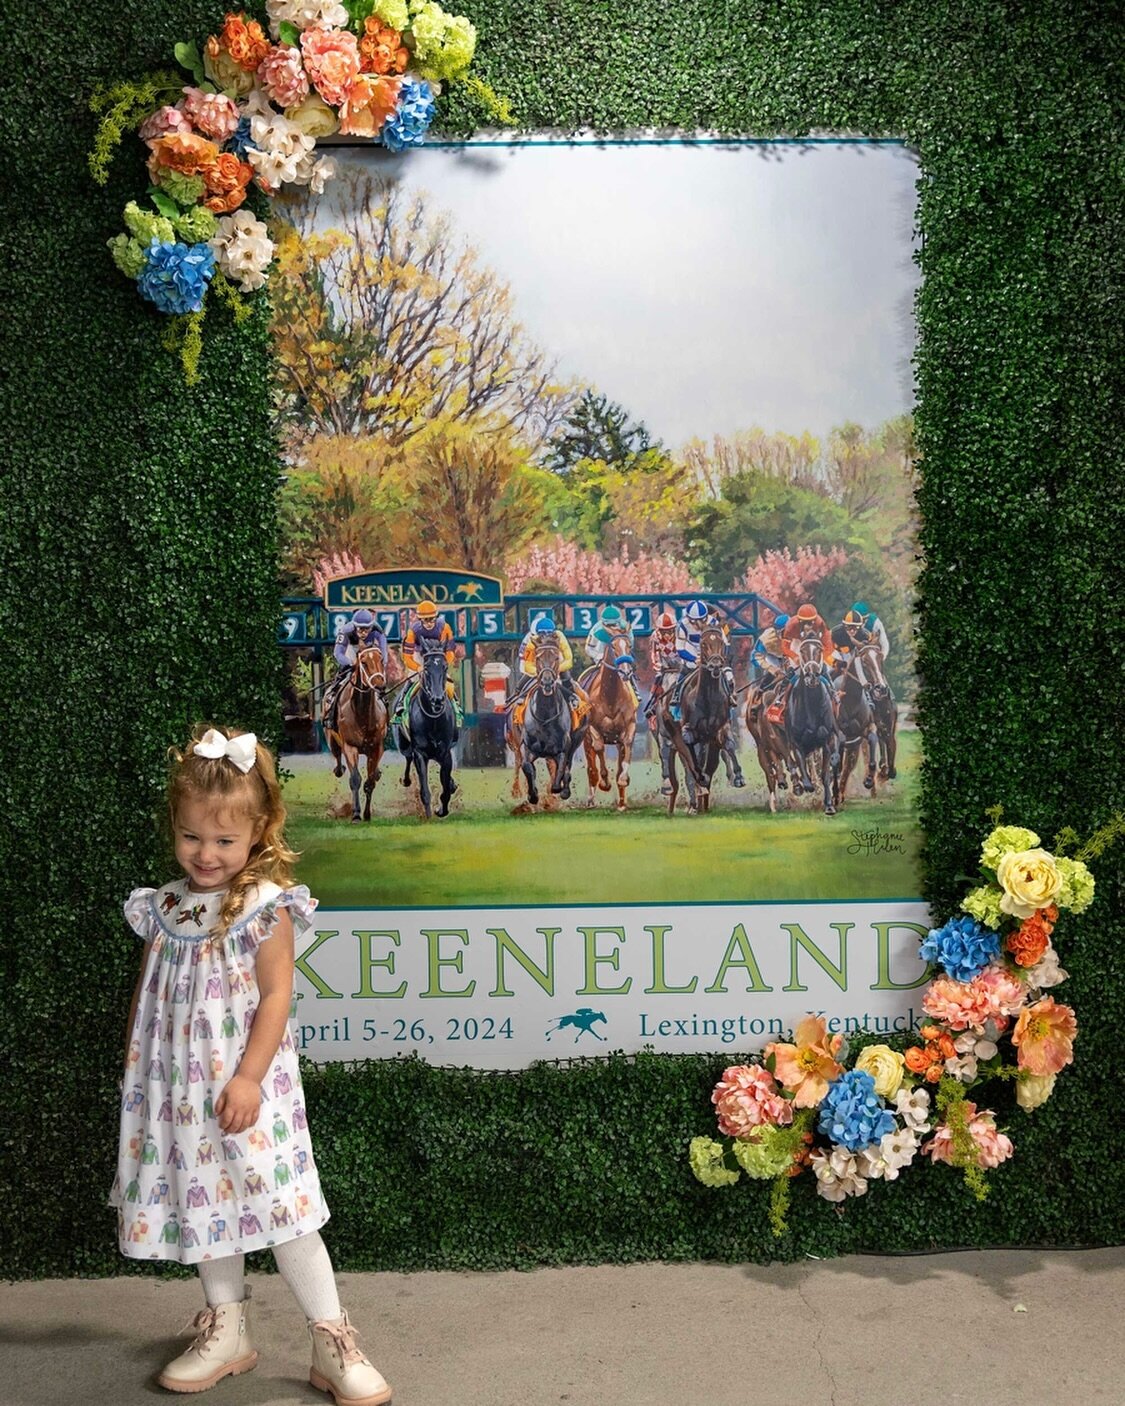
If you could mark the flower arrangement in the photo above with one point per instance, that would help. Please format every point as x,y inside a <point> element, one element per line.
<point>809,1104</point>
<point>251,118</point>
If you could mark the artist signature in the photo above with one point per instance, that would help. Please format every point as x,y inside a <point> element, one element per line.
<point>869,842</point>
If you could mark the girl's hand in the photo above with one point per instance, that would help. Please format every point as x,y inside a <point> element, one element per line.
<point>238,1105</point>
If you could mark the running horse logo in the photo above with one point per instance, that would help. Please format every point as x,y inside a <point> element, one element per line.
<point>583,1022</point>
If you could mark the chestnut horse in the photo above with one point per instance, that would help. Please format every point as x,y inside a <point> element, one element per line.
<point>612,717</point>
<point>361,725</point>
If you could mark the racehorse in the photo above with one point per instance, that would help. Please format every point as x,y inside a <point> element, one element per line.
<point>856,720</point>
<point>612,720</point>
<point>361,725</point>
<point>885,708</point>
<point>582,1020</point>
<point>765,722</point>
<point>811,722</point>
<point>430,732</point>
<point>546,731</point>
<point>704,712</point>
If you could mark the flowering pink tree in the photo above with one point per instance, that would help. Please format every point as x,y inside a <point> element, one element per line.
<point>788,578</point>
<point>570,568</point>
<point>338,564</point>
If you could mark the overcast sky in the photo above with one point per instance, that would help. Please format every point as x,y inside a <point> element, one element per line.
<point>706,287</point>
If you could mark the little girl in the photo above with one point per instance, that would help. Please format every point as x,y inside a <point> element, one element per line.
<point>215,1158</point>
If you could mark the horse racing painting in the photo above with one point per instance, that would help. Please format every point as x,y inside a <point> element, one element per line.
<point>599,538</point>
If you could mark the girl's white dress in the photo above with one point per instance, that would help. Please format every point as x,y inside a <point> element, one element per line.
<point>184,1190</point>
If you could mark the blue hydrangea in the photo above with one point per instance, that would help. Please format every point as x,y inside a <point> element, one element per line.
<point>240,143</point>
<point>852,1113</point>
<point>963,947</point>
<point>408,124</point>
<point>175,276</point>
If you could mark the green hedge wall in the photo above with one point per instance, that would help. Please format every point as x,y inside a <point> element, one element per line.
<point>138,587</point>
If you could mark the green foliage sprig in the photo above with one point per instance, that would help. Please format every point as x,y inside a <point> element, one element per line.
<point>122,107</point>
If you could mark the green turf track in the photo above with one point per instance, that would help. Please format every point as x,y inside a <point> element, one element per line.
<point>483,855</point>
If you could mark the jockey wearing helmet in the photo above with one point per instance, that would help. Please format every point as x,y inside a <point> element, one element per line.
<point>428,631</point>
<point>689,632</point>
<point>809,624</point>
<point>665,660</point>
<point>873,625</point>
<point>610,625</point>
<point>544,631</point>
<point>768,655</point>
<point>361,632</point>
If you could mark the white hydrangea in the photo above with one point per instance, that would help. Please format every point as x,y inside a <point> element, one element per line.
<point>281,148</point>
<point>838,1174</point>
<point>1047,972</point>
<point>913,1107</point>
<point>303,14</point>
<point>243,249</point>
<point>315,172</point>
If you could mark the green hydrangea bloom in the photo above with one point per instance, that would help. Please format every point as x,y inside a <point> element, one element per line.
<point>128,254</point>
<point>767,1158</point>
<point>147,225</point>
<point>455,53</point>
<point>196,226</point>
<point>427,25</point>
<point>706,1158</point>
<point>393,12</point>
<point>1006,839</point>
<point>184,190</point>
<point>1077,892</point>
<point>984,905</point>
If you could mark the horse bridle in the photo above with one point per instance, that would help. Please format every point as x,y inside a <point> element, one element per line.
<point>368,678</point>
<point>811,659</point>
<point>424,695</point>
<point>713,662</point>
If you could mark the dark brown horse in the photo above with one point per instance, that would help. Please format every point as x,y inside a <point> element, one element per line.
<point>612,720</point>
<point>885,708</point>
<point>856,719</point>
<point>361,725</point>
<point>546,732</point>
<point>704,713</point>
<point>765,722</point>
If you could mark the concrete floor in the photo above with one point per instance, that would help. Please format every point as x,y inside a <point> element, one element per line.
<point>1000,1328</point>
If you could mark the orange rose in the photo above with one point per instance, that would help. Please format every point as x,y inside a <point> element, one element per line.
<point>917,1060</point>
<point>369,101</point>
<point>933,1074</point>
<point>244,41</point>
<point>1028,943</point>
<point>184,151</point>
<point>381,48</point>
<point>226,183</point>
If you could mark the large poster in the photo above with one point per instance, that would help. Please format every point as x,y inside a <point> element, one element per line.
<point>599,534</point>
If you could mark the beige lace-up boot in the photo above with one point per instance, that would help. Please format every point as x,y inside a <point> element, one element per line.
<point>340,1367</point>
<point>221,1348</point>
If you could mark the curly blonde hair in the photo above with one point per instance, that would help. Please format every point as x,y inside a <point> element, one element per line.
<point>254,794</point>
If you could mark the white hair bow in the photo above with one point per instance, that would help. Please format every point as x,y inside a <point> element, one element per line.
<point>241,750</point>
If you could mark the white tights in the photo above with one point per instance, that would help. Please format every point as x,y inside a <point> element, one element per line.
<point>303,1264</point>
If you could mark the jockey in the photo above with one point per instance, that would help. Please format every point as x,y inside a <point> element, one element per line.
<point>807,623</point>
<point>428,630</point>
<point>769,655</point>
<point>848,638</point>
<point>689,632</point>
<point>611,624</point>
<point>873,625</point>
<point>361,632</point>
<point>665,659</point>
<point>544,631</point>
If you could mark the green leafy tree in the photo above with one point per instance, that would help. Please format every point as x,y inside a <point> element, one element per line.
<point>598,430</point>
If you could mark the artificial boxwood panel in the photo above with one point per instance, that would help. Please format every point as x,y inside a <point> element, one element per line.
<point>139,593</point>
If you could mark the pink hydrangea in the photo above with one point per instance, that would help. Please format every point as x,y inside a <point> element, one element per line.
<point>993,1147</point>
<point>163,121</point>
<point>993,994</point>
<point>745,1098</point>
<point>332,60</point>
<point>213,114</point>
<point>283,76</point>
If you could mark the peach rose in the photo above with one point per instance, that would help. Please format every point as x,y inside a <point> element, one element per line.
<point>331,60</point>
<point>381,48</point>
<point>184,151</point>
<point>226,183</point>
<point>370,100</point>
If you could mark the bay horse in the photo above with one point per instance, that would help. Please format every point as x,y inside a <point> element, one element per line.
<point>765,722</point>
<point>430,732</point>
<point>546,732</point>
<point>696,737</point>
<point>811,723</point>
<point>361,725</point>
<point>612,719</point>
<point>885,708</point>
<point>856,720</point>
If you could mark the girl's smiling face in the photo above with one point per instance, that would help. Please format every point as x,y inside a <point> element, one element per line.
<point>213,846</point>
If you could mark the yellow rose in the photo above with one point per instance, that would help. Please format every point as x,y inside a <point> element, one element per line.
<point>1034,1089</point>
<point>313,117</point>
<point>1030,881</point>
<point>222,70</point>
<point>885,1067</point>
